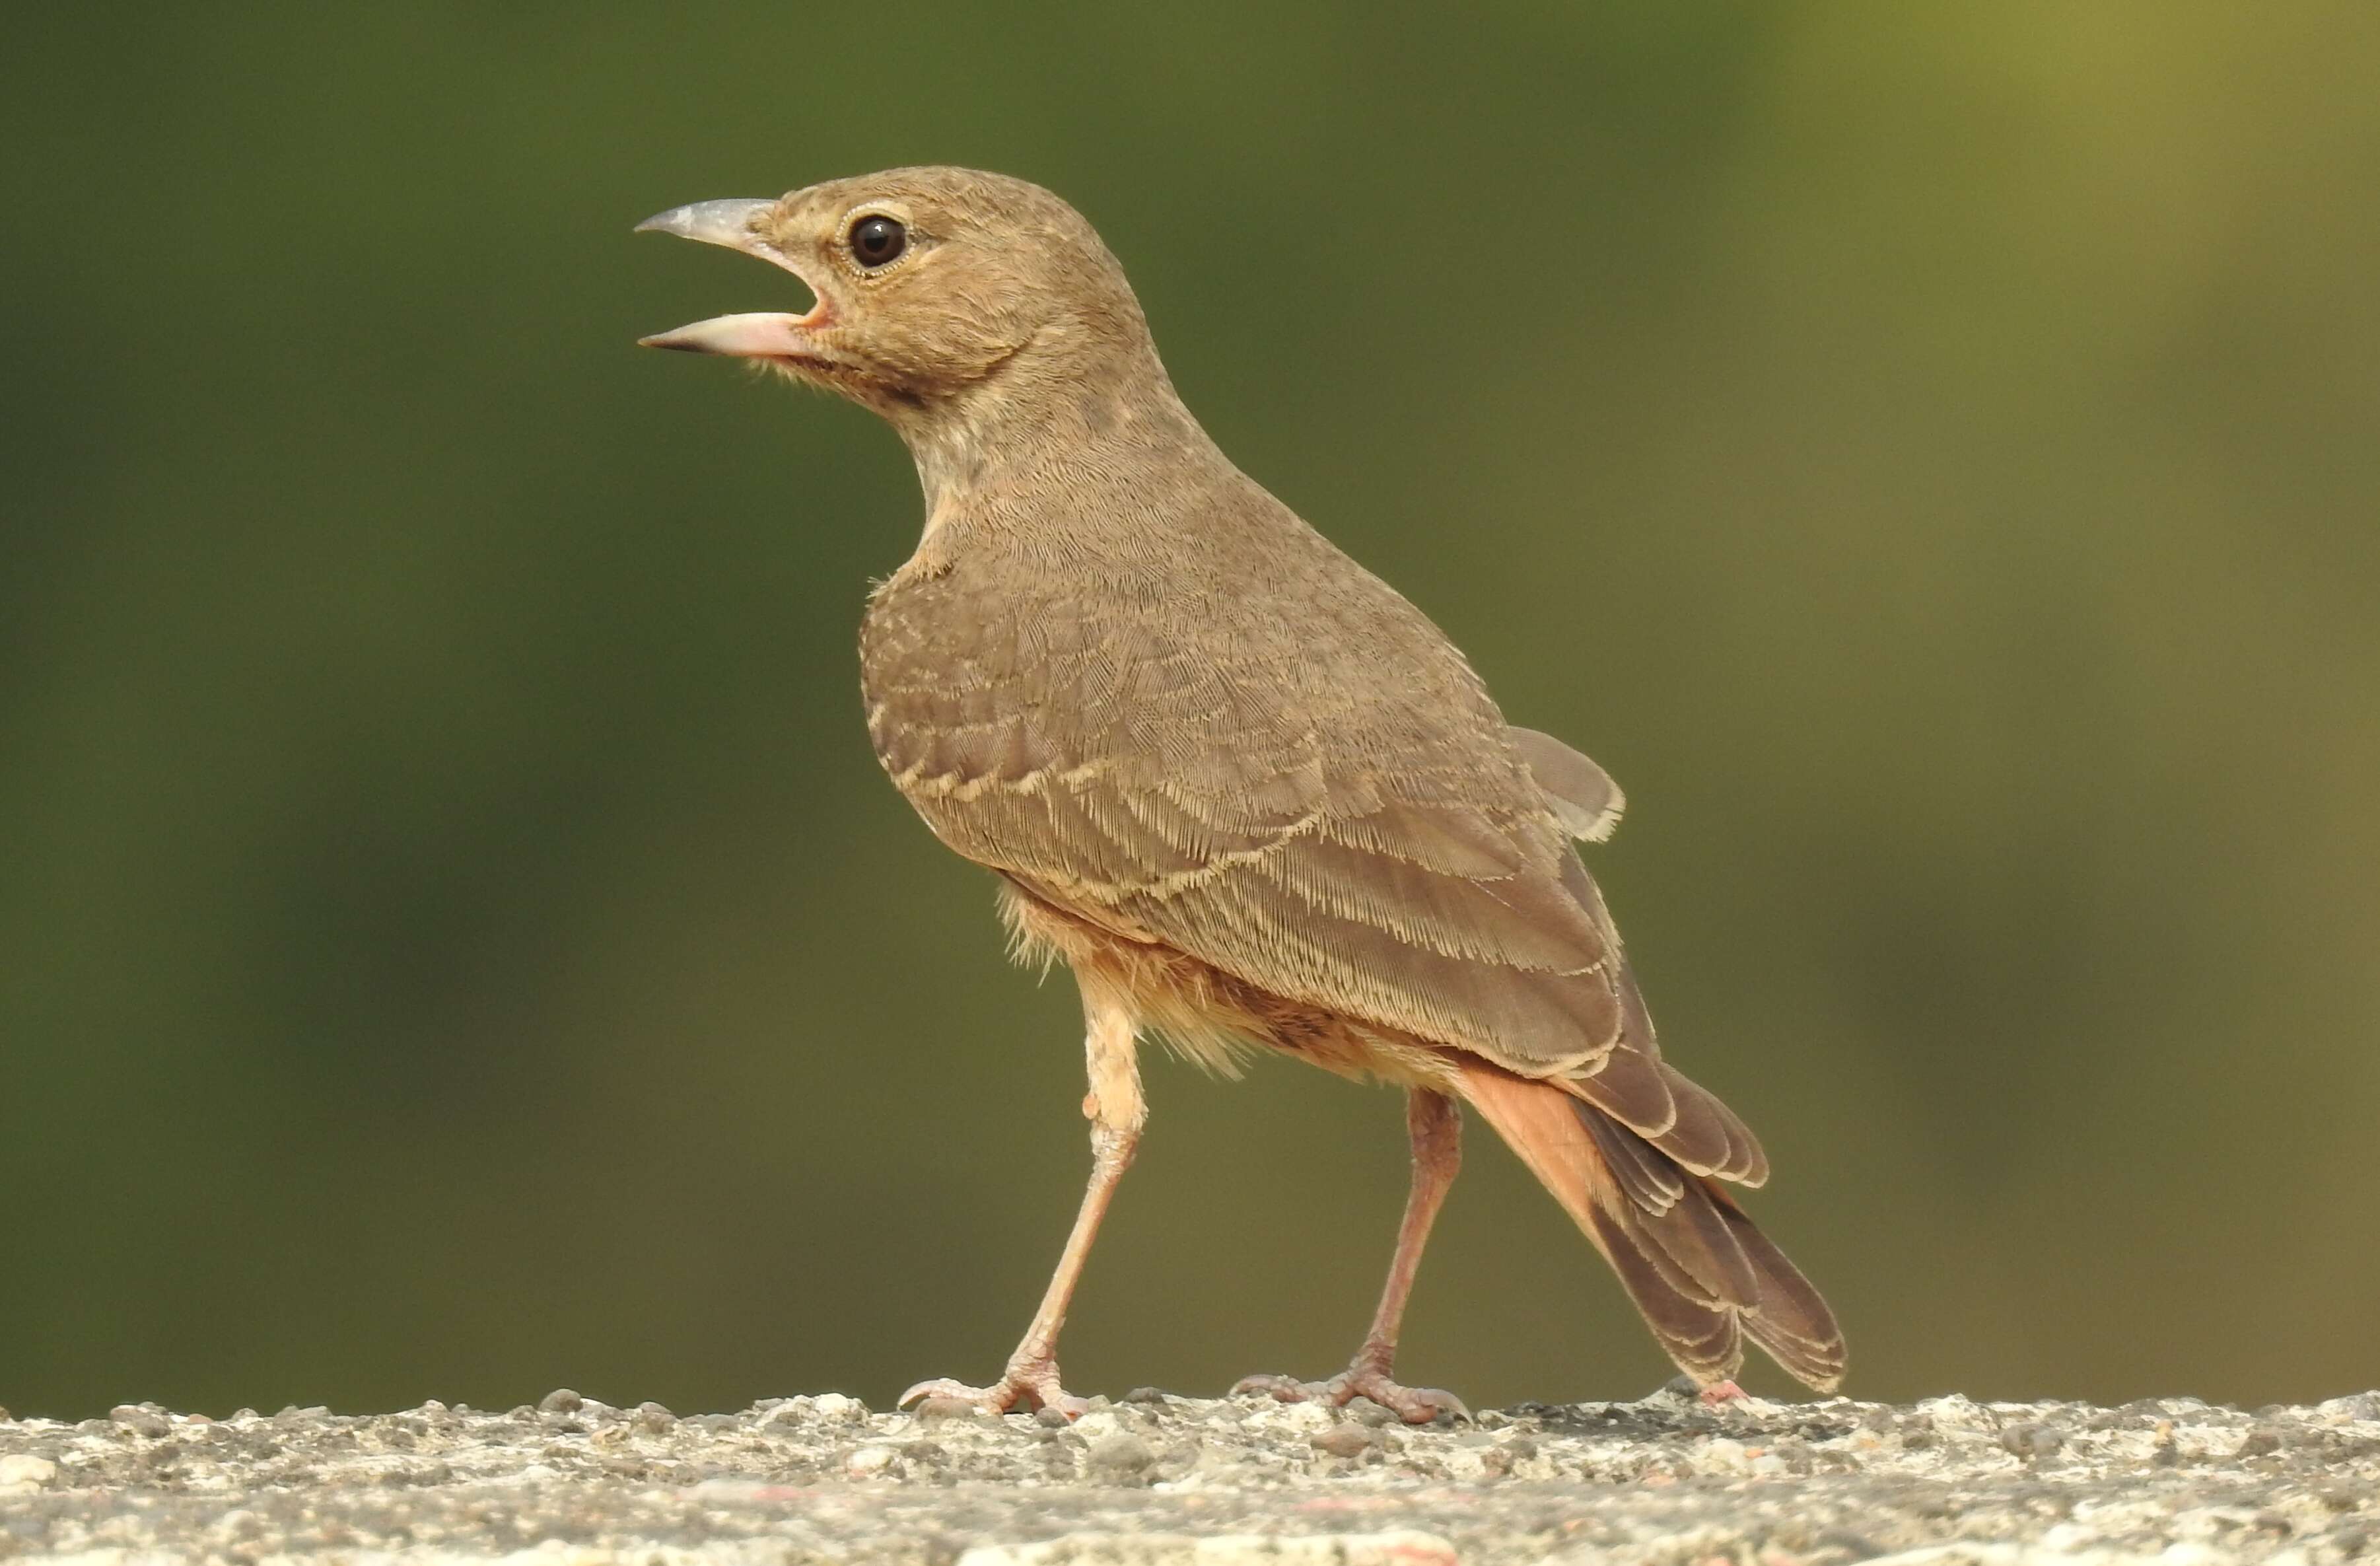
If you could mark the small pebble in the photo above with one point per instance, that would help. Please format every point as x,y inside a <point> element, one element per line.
<point>141,1420</point>
<point>2032,1442</point>
<point>1120,1456</point>
<point>1051,1419</point>
<point>562,1399</point>
<point>1292,1416</point>
<point>933,1411</point>
<point>1345,1440</point>
<point>21,1470</point>
<point>653,1417</point>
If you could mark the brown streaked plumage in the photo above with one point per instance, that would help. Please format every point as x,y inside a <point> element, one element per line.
<point>1252,796</point>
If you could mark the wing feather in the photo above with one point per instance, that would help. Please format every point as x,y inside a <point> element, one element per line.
<point>1582,795</point>
<point>1323,801</point>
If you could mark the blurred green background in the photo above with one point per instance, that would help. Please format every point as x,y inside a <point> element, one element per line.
<point>455,941</point>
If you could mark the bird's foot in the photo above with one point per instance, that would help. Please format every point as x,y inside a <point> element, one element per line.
<point>1415,1405</point>
<point>1028,1384</point>
<point>1719,1393</point>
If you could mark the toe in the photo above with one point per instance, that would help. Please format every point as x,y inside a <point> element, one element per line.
<point>942,1387</point>
<point>1428,1405</point>
<point>1024,1389</point>
<point>1060,1400</point>
<point>1415,1405</point>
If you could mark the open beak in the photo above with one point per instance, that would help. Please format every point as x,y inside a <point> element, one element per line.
<point>761,334</point>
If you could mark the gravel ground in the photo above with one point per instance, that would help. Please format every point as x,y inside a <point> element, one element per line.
<point>1153,1479</point>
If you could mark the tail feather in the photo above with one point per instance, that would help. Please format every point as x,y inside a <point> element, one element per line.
<point>1699,1271</point>
<point>1630,1084</point>
<point>1708,1138</point>
<point>1652,1182</point>
<point>1706,1341</point>
<point>1635,1087</point>
<point>1794,1323</point>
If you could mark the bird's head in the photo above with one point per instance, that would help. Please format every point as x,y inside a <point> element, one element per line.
<point>933,285</point>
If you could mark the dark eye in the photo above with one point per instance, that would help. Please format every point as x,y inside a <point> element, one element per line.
<point>878,241</point>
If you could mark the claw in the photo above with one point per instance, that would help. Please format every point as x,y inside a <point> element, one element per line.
<point>941,1387</point>
<point>1719,1393</point>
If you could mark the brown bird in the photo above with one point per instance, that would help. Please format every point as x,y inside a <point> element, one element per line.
<point>1253,797</point>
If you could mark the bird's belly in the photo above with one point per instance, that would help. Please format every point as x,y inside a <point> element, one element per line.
<point>1211,1017</point>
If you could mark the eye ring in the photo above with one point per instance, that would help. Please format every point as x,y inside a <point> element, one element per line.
<point>877,241</point>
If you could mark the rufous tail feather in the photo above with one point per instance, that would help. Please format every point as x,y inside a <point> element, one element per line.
<point>1704,1277</point>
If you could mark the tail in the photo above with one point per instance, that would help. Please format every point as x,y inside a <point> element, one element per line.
<point>1703,1276</point>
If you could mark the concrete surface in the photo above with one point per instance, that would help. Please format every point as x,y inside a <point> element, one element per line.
<point>1156,1479</point>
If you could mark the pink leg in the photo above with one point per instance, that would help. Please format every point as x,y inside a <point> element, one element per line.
<point>1435,1125</point>
<point>1116,1112</point>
